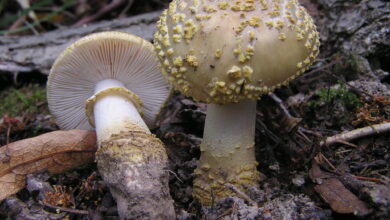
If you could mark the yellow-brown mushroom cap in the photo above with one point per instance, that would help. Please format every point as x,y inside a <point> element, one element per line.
<point>226,51</point>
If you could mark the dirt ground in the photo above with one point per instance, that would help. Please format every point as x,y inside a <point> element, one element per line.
<point>301,176</point>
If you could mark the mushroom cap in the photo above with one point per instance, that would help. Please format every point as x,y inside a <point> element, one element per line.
<point>227,51</point>
<point>96,57</point>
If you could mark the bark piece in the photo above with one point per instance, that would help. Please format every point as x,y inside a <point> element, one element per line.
<point>28,53</point>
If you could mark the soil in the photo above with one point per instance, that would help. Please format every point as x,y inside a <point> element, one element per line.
<point>347,88</point>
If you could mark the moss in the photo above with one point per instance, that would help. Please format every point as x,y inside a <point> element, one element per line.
<point>340,93</point>
<point>25,100</point>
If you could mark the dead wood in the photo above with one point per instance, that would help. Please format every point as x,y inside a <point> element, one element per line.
<point>357,133</point>
<point>29,53</point>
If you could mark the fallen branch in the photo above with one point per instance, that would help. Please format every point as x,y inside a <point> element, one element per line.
<point>28,53</point>
<point>56,152</point>
<point>357,133</point>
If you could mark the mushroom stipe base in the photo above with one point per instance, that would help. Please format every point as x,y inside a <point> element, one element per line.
<point>134,165</point>
<point>212,176</point>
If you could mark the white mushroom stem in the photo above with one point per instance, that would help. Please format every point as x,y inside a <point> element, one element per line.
<point>113,111</point>
<point>229,127</point>
<point>228,154</point>
<point>131,160</point>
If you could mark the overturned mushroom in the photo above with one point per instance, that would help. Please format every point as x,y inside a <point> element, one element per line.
<point>228,54</point>
<point>113,78</point>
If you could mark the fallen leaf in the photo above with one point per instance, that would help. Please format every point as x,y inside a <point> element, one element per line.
<point>10,184</point>
<point>44,146</point>
<point>55,151</point>
<point>340,199</point>
<point>316,174</point>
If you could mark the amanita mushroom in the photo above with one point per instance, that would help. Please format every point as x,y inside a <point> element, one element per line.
<point>108,80</point>
<point>228,54</point>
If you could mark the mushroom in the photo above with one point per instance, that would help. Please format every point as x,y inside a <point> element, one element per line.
<point>228,54</point>
<point>108,80</point>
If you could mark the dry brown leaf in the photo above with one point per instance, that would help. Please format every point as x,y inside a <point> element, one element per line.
<point>44,146</point>
<point>57,163</point>
<point>55,151</point>
<point>14,181</point>
<point>11,184</point>
<point>340,199</point>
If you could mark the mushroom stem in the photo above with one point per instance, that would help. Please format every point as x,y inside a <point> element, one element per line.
<point>113,111</point>
<point>227,151</point>
<point>131,160</point>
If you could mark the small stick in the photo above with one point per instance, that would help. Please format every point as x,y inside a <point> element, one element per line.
<point>73,211</point>
<point>280,104</point>
<point>328,162</point>
<point>304,136</point>
<point>304,130</point>
<point>357,133</point>
<point>128,6</point>
<point>371,179</point>
<point>241,194</point>
<point>177,177</point>
<point>347,143</point>
<point>111,6</point>
<point>334,62</point>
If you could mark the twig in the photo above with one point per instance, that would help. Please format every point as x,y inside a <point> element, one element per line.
<point>226,213</point>
<point>334,62</point>
<point>8,134</point>
<point>128,6</point>
<point>17,23</point>
<point>234,209</point>
<point>241,194</point>
<point>357,133</point>
<point>354,88</point>
<point>280,103</point>
<point>114,4</point>
<point>73,211</point>
<point>31,27</point>
<point>304,130</point>
<point>268,132</point>
<point>177,177</point>
<point>304,136</point>
<point>371,179</point>
<point>327,161</point>
<point>348,157</point>
<point>347,143</point>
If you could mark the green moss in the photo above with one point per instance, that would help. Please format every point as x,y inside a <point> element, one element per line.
<point>26,100</point>
<point>327,96</point>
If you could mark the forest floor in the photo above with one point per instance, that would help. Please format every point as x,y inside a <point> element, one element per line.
<point>302,176</point>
